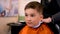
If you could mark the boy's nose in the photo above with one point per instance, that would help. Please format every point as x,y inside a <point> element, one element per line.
<point>29,18</point>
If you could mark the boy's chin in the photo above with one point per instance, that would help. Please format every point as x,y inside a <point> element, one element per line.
<point>30,25</point>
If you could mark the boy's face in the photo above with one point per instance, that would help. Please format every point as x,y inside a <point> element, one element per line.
<point>32,17</point>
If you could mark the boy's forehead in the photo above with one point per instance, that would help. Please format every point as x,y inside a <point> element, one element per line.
<point>31,10</point>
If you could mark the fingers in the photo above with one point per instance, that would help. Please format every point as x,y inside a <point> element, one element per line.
<point>47,20</point>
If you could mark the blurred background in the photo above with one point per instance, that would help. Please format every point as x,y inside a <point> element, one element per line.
<point>12,12</point>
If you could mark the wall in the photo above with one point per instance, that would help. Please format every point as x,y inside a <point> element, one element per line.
<point>3,24</point>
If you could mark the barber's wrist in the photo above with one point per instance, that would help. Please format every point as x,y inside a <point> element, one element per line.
<point>50,19</point>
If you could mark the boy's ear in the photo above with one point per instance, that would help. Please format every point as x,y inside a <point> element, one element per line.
<point>41,16</point>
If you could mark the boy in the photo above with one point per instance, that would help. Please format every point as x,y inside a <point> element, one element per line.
<point>33,17</point>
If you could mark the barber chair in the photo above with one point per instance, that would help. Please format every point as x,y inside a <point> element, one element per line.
<point>16,27</point>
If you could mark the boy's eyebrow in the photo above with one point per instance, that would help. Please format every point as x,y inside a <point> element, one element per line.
<point>25,13</point>
<point>31,13</point>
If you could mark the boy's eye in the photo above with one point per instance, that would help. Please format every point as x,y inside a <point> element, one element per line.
<point>32,15</point>
<point>26,15</point>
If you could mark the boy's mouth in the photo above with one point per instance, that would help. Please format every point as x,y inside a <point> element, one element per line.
<point>29,22</point>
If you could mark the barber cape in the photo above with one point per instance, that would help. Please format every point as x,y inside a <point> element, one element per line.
<point>43,29</point>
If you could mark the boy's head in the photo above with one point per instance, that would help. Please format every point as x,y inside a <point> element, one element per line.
<point>35,5</point>
<point>33,13</point>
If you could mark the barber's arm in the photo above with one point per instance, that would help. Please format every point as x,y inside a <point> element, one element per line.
<point>55,18</point>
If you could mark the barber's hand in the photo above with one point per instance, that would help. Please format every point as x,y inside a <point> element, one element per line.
<point>47,20</point>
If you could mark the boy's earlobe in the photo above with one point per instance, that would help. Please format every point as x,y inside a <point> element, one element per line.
<point>41,16</point>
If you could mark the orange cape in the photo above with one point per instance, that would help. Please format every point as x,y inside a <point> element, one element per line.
<point>43,29</point>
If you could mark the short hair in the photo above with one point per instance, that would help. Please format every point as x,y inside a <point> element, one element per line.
<point>34,5</point>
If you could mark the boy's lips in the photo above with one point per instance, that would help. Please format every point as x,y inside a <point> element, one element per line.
<point>29,22</point>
